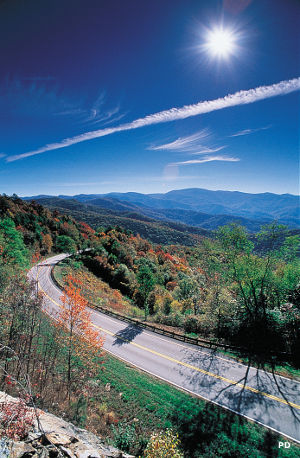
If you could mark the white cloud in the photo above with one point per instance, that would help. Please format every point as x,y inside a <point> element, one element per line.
<point>209,150</point>
<point>208,159</point>
<point>183,143</point>
<point>239,98</point>
<point>190,144</point>
<point>249,131</point>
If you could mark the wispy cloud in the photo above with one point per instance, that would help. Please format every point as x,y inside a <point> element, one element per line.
<point>105,117</point>
<point>190,144</point>
<point>71,112</point>
<point>37,97</point>
<point>183,143</point>
<point>208,159</point>
<point>112,118</point>
<point>209,150</point>
<point>249,131</point>
<point>2,155</point>
<point>239,98</point>
<point>93,114</point>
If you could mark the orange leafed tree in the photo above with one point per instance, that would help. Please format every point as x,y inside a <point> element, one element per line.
<point>47,242</point>
<point>82,342</point>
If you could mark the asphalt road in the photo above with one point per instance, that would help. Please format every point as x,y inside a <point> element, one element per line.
<point>266,398</point>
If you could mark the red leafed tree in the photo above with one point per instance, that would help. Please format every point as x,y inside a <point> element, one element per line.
<point>82,341</point>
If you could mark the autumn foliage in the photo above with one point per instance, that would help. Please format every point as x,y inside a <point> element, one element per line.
<point>80,338</point>
<point>16,419</point>
<point>163,445</point>
<point>30,225</point>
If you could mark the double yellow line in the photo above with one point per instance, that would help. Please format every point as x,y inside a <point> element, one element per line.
<point>189,366</point>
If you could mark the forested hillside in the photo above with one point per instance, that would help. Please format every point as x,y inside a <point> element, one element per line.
<point>218,289</point>
<point>40,229</point>
<point>264,206</point>
<point>201,207</point>
<point>156,231</point>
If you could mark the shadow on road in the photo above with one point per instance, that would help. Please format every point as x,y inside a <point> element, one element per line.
<point>230,384</point>
<point>127,335</point>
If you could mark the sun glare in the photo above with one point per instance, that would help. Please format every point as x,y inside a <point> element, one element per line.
<point>220,42</point>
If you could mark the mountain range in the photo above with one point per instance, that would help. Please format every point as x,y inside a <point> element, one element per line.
<point>195,207</point>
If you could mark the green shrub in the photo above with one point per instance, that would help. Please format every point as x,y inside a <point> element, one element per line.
<point>174,319</point>
<point>192,323</point>
<point>124,436</point>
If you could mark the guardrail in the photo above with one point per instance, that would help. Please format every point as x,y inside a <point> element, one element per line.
<point>174,335</point>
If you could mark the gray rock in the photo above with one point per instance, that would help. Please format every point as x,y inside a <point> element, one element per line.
<point>87,454</point>
<point>58,438</point>
<point>67,439</point>
<point>68,452</point>
<point>43,453</point>
<point>21,449</point>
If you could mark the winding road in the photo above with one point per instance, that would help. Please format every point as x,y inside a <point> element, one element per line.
<point>263,397</point>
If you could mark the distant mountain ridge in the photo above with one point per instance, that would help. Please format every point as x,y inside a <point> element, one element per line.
<point>163,232</point>
<point>265,206</point>
<point>200,207</point>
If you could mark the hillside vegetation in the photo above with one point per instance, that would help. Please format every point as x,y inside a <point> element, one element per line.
<point>156,231</point>
<point>263,206</point>
<point>200,285</point>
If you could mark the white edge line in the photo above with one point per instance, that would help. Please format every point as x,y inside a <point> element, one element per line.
<point>204,398</point>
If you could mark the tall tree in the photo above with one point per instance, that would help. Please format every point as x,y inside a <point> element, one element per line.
<point>13,250</point>
<point>261,284</point>
<point>82,342</point>
<point>65,244</point>
<point>146,282</point>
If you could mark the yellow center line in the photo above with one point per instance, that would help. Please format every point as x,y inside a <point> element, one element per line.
<point>169,358</point>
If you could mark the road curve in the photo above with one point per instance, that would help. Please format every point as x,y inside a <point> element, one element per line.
<point>263,397</point>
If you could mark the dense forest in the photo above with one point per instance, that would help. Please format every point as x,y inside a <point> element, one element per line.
<point>222,288</point>
<point>164,232</point>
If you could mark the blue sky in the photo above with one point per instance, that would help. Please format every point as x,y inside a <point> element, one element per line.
<point>127,95</point>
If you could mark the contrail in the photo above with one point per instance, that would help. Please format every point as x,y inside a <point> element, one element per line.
<point>173,114</point>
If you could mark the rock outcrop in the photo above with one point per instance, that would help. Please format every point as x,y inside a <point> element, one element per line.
<point>53,437</point>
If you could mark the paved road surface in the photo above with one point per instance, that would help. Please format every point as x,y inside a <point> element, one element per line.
<point>266,398</point>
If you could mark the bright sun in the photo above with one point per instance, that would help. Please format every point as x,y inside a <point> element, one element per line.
<point>220,42</point>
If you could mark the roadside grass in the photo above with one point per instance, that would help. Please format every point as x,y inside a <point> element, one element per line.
<point>205,430</point>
